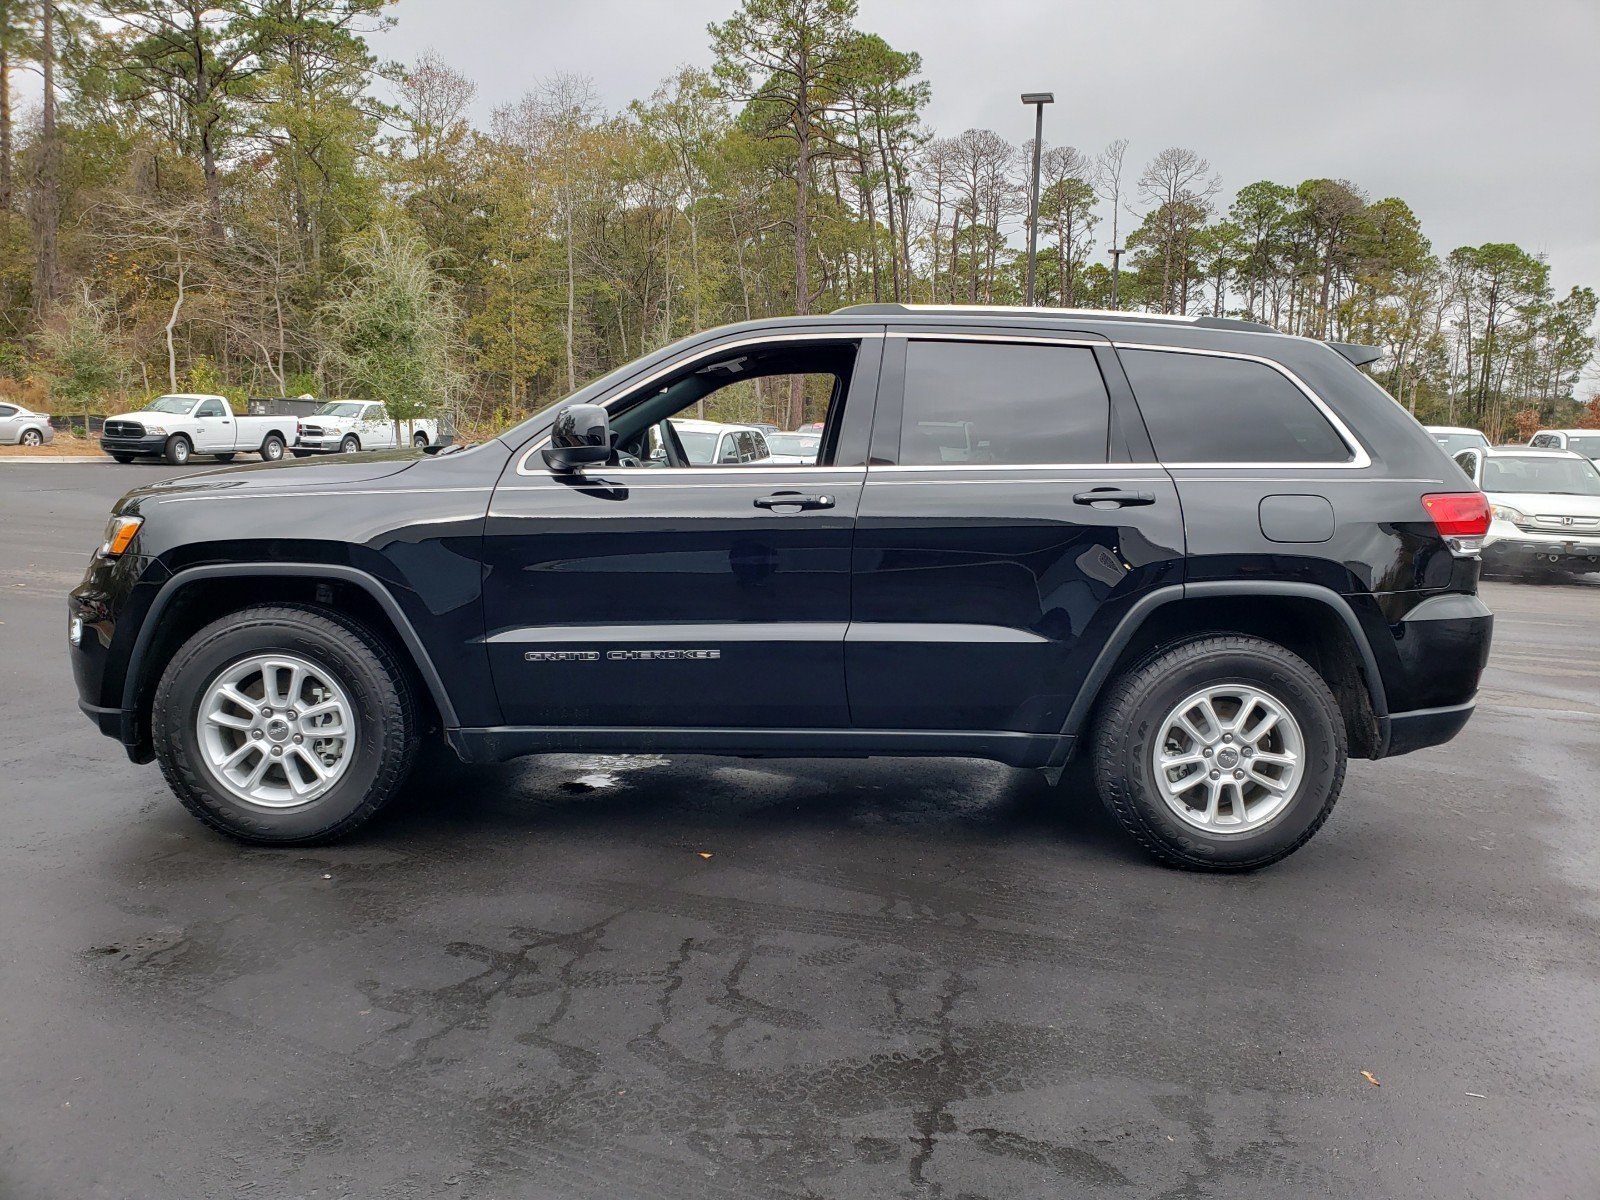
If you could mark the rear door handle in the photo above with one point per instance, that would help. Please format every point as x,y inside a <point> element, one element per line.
<point>793,500</point>
<point>1115,497</point>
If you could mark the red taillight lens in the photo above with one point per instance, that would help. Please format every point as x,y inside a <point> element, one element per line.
<point>1458,514</point>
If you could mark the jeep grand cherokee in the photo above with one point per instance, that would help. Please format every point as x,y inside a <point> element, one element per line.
<point>1213,560</point>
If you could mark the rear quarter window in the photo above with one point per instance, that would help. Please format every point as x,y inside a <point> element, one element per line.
<point>1202,408</point>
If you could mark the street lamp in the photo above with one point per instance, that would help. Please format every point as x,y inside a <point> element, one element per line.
<point>1116,253</point>
<point>1038,100</point>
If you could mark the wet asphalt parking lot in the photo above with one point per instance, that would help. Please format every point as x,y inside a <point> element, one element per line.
<point>586,977</point>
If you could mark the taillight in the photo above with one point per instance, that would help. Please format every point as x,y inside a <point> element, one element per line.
<point>1462,519</point>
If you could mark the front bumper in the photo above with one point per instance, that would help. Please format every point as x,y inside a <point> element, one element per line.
<point>1510,548</point>
<point>105,611</point>
<point>150,443</point>
<point>325,444</point>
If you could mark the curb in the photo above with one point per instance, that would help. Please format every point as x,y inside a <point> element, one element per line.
<point>54,458</point>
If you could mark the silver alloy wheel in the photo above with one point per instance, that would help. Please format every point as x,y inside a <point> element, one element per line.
<point>32,437</point>
<point>273,450</point>
<point>180,450</point>
<point>275,730</point>
<point>1229,758</point>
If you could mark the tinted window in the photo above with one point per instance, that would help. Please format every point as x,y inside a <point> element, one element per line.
<point>1203,409</point>
<point>993,402</point>
<point>7,411</point>
<point>1587,445</point>
<point>758,447</point>
<point>730,449</point>
<point>1454,443</point>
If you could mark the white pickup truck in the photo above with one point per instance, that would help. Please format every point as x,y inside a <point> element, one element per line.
<point>345,426</point>
<point>185,423</point>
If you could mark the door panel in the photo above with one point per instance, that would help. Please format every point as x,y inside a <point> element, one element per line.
<point>984,589</point>
<point>670,598</point>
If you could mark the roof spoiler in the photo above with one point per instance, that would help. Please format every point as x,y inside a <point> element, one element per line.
<point>1359,355</point>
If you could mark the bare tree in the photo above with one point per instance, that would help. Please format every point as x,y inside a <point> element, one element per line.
<point>1179,184</point>
<point>1108,186</point>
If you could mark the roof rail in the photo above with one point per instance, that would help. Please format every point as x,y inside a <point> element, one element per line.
<point>1008,310</point>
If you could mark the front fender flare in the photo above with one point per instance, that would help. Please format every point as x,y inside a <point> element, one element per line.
<point>351,575</point>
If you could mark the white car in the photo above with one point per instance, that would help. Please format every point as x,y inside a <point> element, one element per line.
<point>710,443</point>
<point>1456,438</point>
<point>1544,508</point>
<point>1580,441</point>
<point>794,449</point>
<point>21,427</point>
<point>345,426</point>
<point>176,426</point>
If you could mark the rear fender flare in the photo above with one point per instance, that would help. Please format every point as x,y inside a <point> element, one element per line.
<point>1135,617</point>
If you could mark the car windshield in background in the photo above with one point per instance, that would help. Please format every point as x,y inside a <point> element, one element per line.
<point>171,404</point>
<point>1557,476</point>
<point>1587,445</point>
<point>700,447</point>
<point>338,408</point>
<point>803,444</point>
<point>1455,443</point>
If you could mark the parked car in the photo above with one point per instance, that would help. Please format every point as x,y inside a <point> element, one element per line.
<point>1209,560</point>
<point>1456,438</point>
<point>1545,508</point>
<point>345,426</point>
<point>710,443</point>
<point>22,427</point>
<point>1580,441</point>
<point>794,448</point>
<point>182,424</point>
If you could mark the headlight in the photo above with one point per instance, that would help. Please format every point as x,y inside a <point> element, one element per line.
<point>1503,513</point>
<point>119,533</point>
<point>162,429</point>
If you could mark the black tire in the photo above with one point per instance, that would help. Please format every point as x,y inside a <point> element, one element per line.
<point>1131,717</point>
<point>271,448</point>
<point>123,458</point>
<point>419,440</point>
<point>31,437</point>
<point>178,450</point>
<point>350,445</point>
<point>223,458</point>
<point>301,453</point>
<point>380,695</point>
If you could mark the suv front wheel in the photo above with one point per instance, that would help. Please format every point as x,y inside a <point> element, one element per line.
<point>1221,753</point>
<point>283,725</point>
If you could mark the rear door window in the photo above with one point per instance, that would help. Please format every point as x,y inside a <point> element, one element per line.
<point>975,403</point>
<point>1203,408</point>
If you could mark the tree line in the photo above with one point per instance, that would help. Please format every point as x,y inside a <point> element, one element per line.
<point>239,196</point>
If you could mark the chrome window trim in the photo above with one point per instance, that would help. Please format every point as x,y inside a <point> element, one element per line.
<point>677,364</point>
<point>1359,456</point>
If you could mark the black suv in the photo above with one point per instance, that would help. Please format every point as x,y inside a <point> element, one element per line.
<point>1212,560</point>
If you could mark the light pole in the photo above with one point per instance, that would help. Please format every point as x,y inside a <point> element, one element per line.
<point>1116,253</point>
<point>1038,100</point>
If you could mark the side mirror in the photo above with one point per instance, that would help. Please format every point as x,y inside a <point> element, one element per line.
<point>580,437</point>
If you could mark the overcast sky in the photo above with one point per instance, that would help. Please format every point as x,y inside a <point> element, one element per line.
<point>1483,116</point>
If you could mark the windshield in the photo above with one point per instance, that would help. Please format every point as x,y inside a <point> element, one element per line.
<point>1586,444</point>
<point>172,404</point>
<point>1455,443</point>
<point>1556,476</point>
<point>802,444</point>
<point>700,447</point>
<point>339,408</point>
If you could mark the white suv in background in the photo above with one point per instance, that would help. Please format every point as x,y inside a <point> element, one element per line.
<point>1580,441</point>
<point>1544,508</point>
<point>710,443</point>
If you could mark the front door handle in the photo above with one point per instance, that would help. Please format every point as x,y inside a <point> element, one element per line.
<point>1114,497</point>
<point>794,500</point>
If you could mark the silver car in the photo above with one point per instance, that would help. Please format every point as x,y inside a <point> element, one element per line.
<point>19,427</point>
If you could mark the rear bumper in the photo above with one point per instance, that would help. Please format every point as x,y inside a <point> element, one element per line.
<point>1442,647</point>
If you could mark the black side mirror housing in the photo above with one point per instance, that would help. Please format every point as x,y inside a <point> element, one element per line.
<point>580,437</point>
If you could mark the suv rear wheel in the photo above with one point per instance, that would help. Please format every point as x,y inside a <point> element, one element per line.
<point>282,725</point>
<point>1221,753</point>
